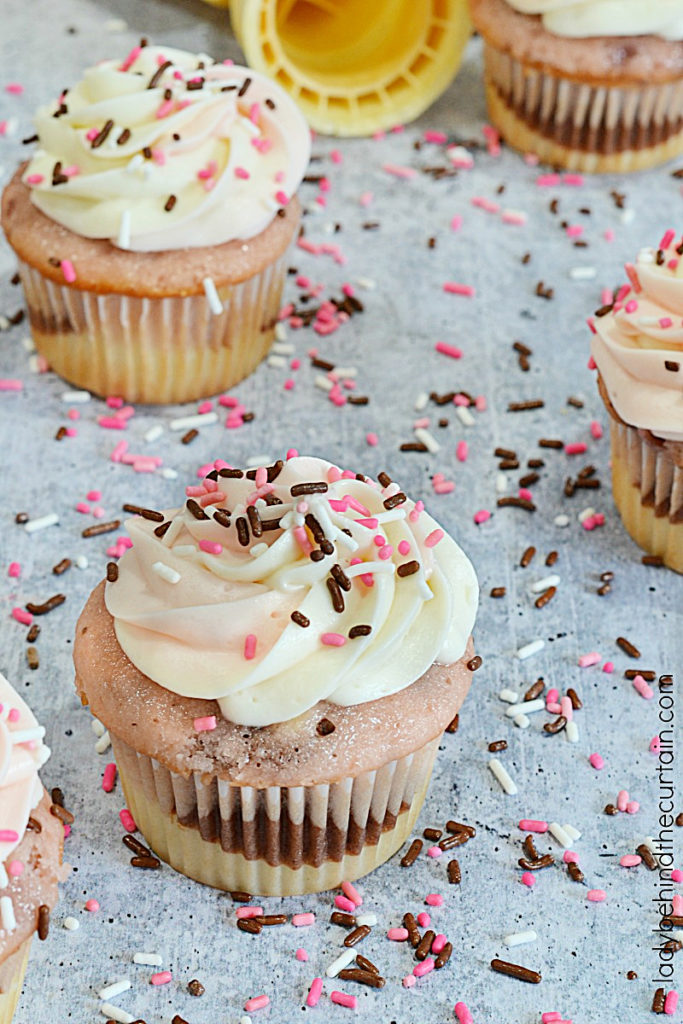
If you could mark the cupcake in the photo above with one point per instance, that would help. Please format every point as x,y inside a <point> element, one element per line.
<point>590,86</point>
<point>31,841</point>
<point>637,347</point>
<point>276,663</point>
<point>153,222</point>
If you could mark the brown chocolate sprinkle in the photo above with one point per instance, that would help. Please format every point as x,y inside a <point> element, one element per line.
<point>61,567</point>
<point>189,436</point>
<point>544,292</point>
<point>424,945</point>
<point>161,530</point>
<point>222,517</point>
<point>340,576</point>
<point>33,825</point>
<point>21,518</point>
<point>408,568</point>
<point>365,964</point>
<point>394,500</point>
<point>177,1019</point>
<point>147,863</point>
<point>254,521</point>
<point>57,796</point>
<point>671,365</point>
<point>529,479</point>
<point>444,956</point>
<point>32,658</point>
<point>248,924</point>
<point>458,826</point>
<point>535,463</point>
<point>658,1001</point>
<point>170,203</point>
<point>523,349</point>
<point>505,453</point>
<point>498,745</point>
<point>412,446</point>
<point>231,474</point>
<point>453,725</point>
<point>627,647</point>
<point>47,606</point>
<point>656,561</point>
<point>575,872</point>
<point>533,403</point>
<point>648,675</point>
<point>269,920</point>
<point>61,434</point>
<point>679,820</point>
<point>357,935</point>
<point>411,855</point>
<point>673,946</point>
<point>551,558</point>
<point>357,399</point>
<point>314,487</point>
<point>345,920</point>
<point>43,921</point>
<point>57,811</point>
<point>474,663</point>
<point>604,589</point>
<point>99,528</point>
<point>243,88</point>
<point>611,810</point>
<point>529,848</point>
<point>123,137</point>
<point>239,896</point>
<point>631,975</point>
<point>450,842</point>
<point>453,870</point>
<point>300,619</point>
<point>368,978</point>
<point>538,864</point>
<point>325,727</point>
<point>384,479</point>
<point>527,557</point>
<point>360,630</point>
<point>33,633</point>
<point>102,134</point>
<point>516,971</point>
<point>112,572</point>
<point>576,403</point>
<point>158,74</point>
<point>543,599</point>
<point>647,856</point>
<point>549,442</point>
<point>577,703</point>
<point>242,531</point>
<point>135,845</point>
<point>410,924</point>
<point>509,464</point>
<point>498,592</point>
<point>515,502</point>
<point>432,834</point>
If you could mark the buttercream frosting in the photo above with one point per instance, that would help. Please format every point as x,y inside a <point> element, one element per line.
<point>638,342</point>
<point>589,18</point>
<point>22,753</point>
<point>168,150</point>
<point>208,615</point>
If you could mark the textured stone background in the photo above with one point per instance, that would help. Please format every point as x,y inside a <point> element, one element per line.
<point>583,950</point>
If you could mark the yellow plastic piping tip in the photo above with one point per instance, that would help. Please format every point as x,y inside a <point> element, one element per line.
<point>355,67</point>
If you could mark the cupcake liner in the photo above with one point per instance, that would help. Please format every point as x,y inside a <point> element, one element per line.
<point>158,350</point>
<point>648,491</point>
<point>12,973</point>
<point>580,125</point>
<point>276,841</point>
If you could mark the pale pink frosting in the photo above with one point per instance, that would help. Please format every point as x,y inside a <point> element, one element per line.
<point>20,787</point>
<point>638,344</point>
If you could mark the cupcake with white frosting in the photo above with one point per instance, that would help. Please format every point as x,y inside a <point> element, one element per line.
<point>637,347</point>
<point>590,85</point>
<point>276,663</point>
<point>31,841</point>
<point>153,221</point>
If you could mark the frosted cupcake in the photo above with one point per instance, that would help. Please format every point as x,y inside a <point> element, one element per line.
<point>276,663</point>
<point>31,841</point>
<point>638,350</point>
<point>591,85</point>
<point>153,221</point>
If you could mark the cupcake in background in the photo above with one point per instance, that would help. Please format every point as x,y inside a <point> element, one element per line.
<point>276,662</point>
<point>152,224</point>
<point>590,85</point>
<point>637,347</point>
<point>31,841</point>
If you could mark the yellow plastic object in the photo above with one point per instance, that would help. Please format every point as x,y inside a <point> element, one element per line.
<point>355,66</point>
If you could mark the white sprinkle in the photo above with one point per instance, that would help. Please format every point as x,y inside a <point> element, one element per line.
<point>501,483</point>
<point>368,567</point>
<point>502,775</point>
<point>428,440</point>
<point>367,283</point>
<point>582,273</point>
<point>4,322</point>
<point>586,513</point>
<point>257,460</point>
<point>184,550</point>
<point>572,731</point>
<point>26,735</point>
<point>651,845</point>
<point>76,397</point>
<point>324,383</point>
<point>421,401</point>
<point>258,549</point>
<point>212,296</point>
<point>166,572</point>
<point>123,238</point>
<point>169,474</point>
<point>561,520</point>
<point>282,348</point>
<point>33,525</point>
<point>521,721</point>
<point>529,649</point>
<point>340,963</point>
<point>369,919</point>
<point>627,215</point>
<point>9,921</point>
<point>148,959</point>
<point>71,924</point>
<point>276,361</point>
<point>245,1020</point>
<point>560,834</point>
<point>116,1013</point>
<point>251,128</point>
<point>527,707</point>
<point>115,25</point>
<point>541,585</point>
<point>134,162</point>
<point>346,371</point>
<point>647,321</point>
<point>97,727</point>
<point>154,433</point>
<point>280,331</point>
<point>81,562</point>
<point>103,744</point>
<point>200,419</point>
<point>464,415</point>
<point>34,363</point>
<point>646,255</point>
<point>114,990</point>
<point>11,126</point>
<point>520,938</point>
<point>572,832</point>
<point>509,696</point>
<point>4,880</point>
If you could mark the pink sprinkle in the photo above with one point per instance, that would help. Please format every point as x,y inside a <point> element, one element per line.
<point>257,1003</point>
<point>22,616</point>
<point>372,439</point>
<point>68,271</point>
<point>525,493</point>
<point>352,893</point>
<point>461,451</point>
<point>437,137</point>
<point>244,913</point>
<point>596,895</point>
<point>403,547</point>
<point>397,934</point>
<point>15,868</point>
<point>622,799</point>
<point>8,384</point>
<point>211,547</point>
<point>303,920</point>
<point>448,350</point>
<point>241,172</point>
<point>630,860</point>
<point>14,570</point>
<point>569,857</point>
<point>345,904</point>
<point>83,508</point>
<point>655,745</point>
<point>314,992</point>
<point>671,1002</point>
<point>409,981</point>
<point>438,944</point>
<point>631,306</point>
<point>333,639</point>
<point>552,707</point>
<point>205,724</point>
<point>567,708</point>
<point>665,321</point>
<point>632,807</point>
<point>109,777</point>
<point>8,835</point>
<point>281,197</point>
<point>434,900</point>
<point>578,448</point>
<point>632,275</point>
<point>453,288</point>
<point>528,879</point>
<point>609,235</point>
<point>597,762</point>
<point>433,538</point>
<point>677,875</point>
<point>92,906</point>
<point>423,919</point>
<point>552,696</point>
<point>131,58</point>
<point>161,978</point>
<point>434,851</point>
<point>456,222</point>
<point>406,173</point>
<point>14,88</point>
<point>608,667</point>
<point>250,646</point>
<point>548,180</point>
<point>34,179</point>
<point>643,688</point>
<point>574,230</point>
<point>426,967</point>
<point>127,820</point>
<point>342,999</point>
<point>586,660</point>
<point>531,825</point>
<point>482,516</point>
<point>463,1014</point>
<point>551,1018</point>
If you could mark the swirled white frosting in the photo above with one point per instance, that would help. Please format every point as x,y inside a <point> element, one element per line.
<point>638,345</point>
<point>229,160</point>
<point>587,18</point>
<point>191,635</point>
<point>22,753</point>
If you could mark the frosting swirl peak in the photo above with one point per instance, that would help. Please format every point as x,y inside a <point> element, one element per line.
<point>272,590</point>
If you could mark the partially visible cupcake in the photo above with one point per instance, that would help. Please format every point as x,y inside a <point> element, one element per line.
<point>590,85</point>
<point>276,663</point>
<point>637,347</point>
<point>153,222</point>
<point>31,841</point>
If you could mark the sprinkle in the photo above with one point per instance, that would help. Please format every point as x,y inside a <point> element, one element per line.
<point>166,572</point>
<point>68,271</point>
<point>342,961</point>
<point>109,778</point>
<point>631,860</point>
<point>33,525</point>
<point>7,917</point>
<point>212,297</point>
<point>448,350</point>
<point>596,895</point>
<point>345,904</point>
<point>530,649</point>
<point>434,900</point>
<point>71,924</point>
<point>463,1014</point>
<point>528,879</point>
<point>454,288</point>
<point>559,833</point>
<point>531,825</point>
<point>520,938</point>
<point>502,776</point>
<point>103,743</point>
<point>597,762</point>
<point>643,688</point>
<point>303,920</point>
<point>342,999</point>
<point>117,988</point>
<point>301,955</point>
<point>116,1013</point>
<point>333,639</point>
<point>163,978</point>
<point>197,420</point>
<point>147,959</point>
<point>586,660</point>
<point>315,991</point>
<point>432,539</point>
<point>205,724</point>
<point>127,820</point>
<point>397,934</point>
